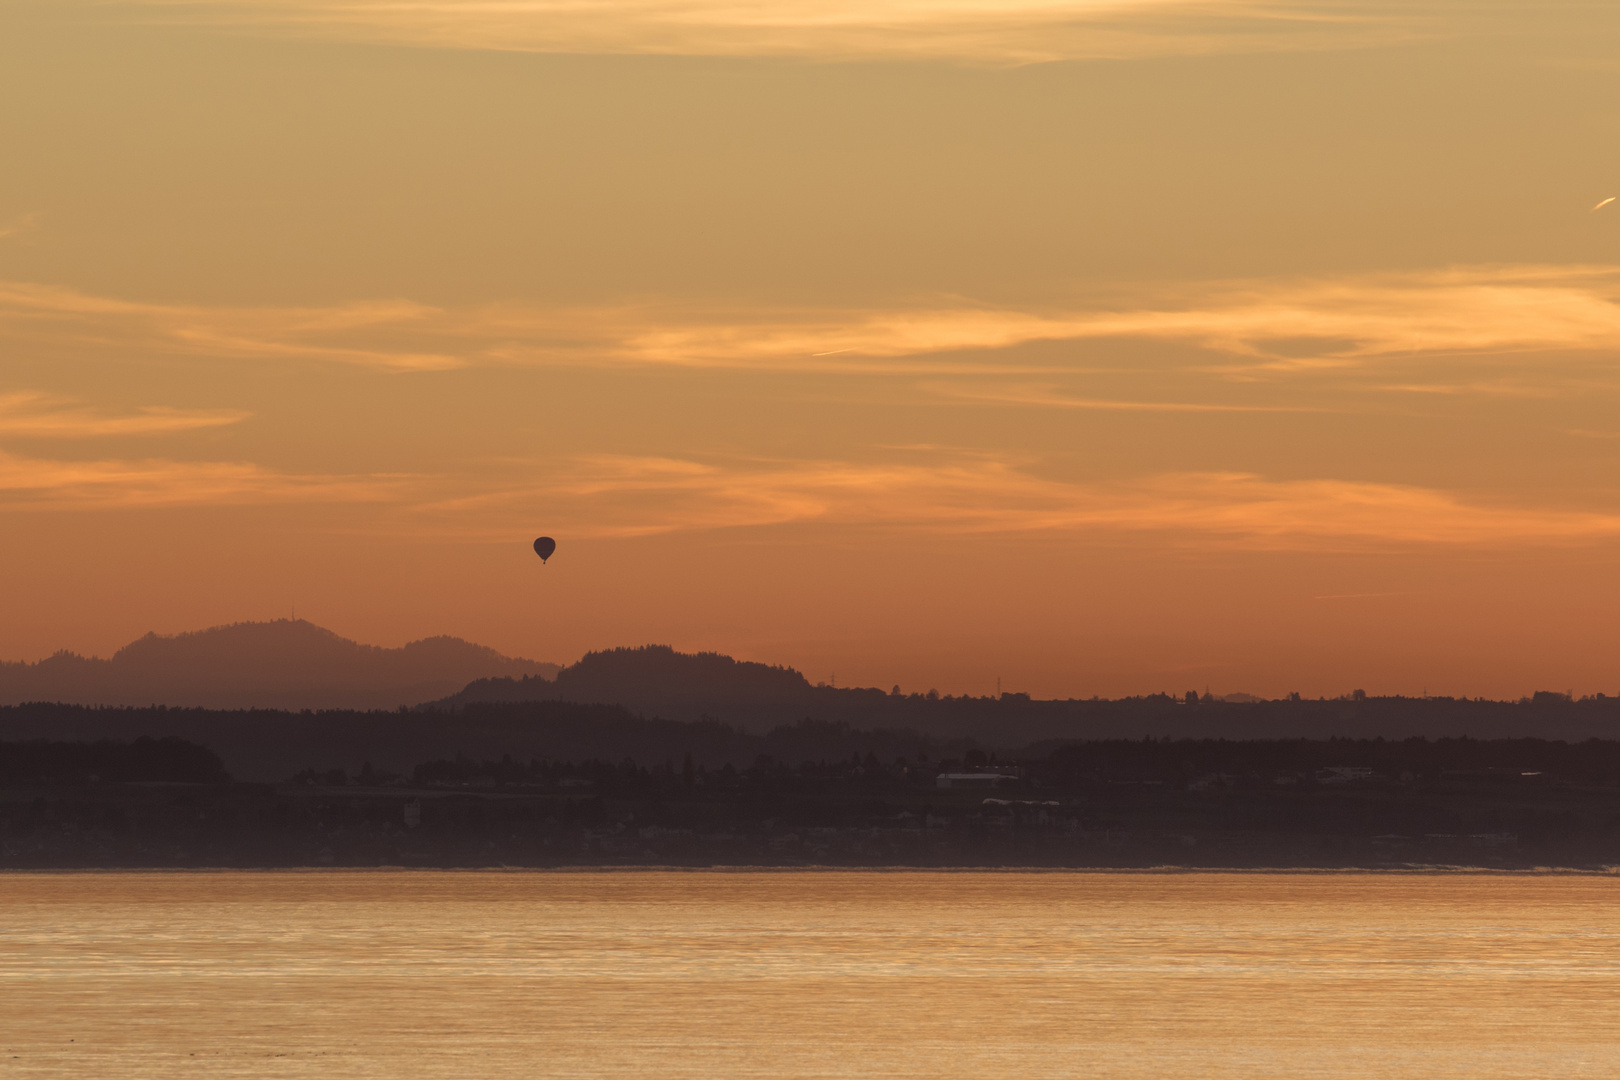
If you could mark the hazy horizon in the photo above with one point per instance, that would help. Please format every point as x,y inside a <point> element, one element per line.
<point>1098,348</point>
<point>234,646</point>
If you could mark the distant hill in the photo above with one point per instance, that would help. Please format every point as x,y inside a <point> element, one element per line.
<point>659,673</point>
<point>285,664</point>
<point>648,673</point>
<point>657,680</point>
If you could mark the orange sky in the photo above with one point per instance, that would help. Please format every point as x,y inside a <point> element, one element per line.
<point>1101,347</point>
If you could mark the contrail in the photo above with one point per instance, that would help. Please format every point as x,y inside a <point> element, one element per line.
<point>1605,202</point>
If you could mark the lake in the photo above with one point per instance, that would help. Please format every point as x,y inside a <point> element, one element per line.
<point>808,974</point>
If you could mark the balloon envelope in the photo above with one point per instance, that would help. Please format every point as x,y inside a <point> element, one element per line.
<point>544,546</point>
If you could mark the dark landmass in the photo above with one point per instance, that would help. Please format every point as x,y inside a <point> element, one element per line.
<point>264,745</point>
<point>287,664</point>
<point>292,666</point>
<point>171,761</point>
<point>269,745</point>
<point>656,680</point>
<point>675,685</point>
<point>652,757</point>
<point>1508,804</point>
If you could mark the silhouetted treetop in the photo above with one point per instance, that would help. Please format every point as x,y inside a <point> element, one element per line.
<point>656,672</point>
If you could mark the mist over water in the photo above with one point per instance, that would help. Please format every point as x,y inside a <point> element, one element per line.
<point>864,974</point>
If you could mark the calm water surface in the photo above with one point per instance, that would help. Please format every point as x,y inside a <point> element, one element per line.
<point>715,975</point>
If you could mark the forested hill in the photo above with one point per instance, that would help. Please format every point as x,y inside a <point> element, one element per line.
<point>290,664</point>
<point>656,680</point>
<point>659,673</point>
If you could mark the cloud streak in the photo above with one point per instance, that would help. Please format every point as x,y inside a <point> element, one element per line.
<point>382,335</point>
<point>974,31</point>
<point>43,484</point>
<point>931,492</point>
<point>638,496</point>
<point>35,415</point>
<point>1272,326</point>
<point>1046,395</point>
<point>1264,329</point>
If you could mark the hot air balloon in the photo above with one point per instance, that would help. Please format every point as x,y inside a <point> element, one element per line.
<point>544,546</point>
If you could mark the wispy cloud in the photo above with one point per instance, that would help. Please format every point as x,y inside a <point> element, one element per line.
<point>631,496</point>
<point>1275,326</point>
<point>42,484</point>
<point>928,490</point>
<point>1048,395</point>
<point>1257,329</point>
<point>976,31</point>
<point>384,335</point>
<point>1501,388</point>
<point>38,415</point>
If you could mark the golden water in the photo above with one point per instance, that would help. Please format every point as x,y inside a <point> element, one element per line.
<point>720,975</point>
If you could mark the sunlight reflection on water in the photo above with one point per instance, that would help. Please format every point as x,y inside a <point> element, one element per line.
<point>836,974</point>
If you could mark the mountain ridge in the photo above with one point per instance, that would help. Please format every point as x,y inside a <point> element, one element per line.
<point>283,663</point>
